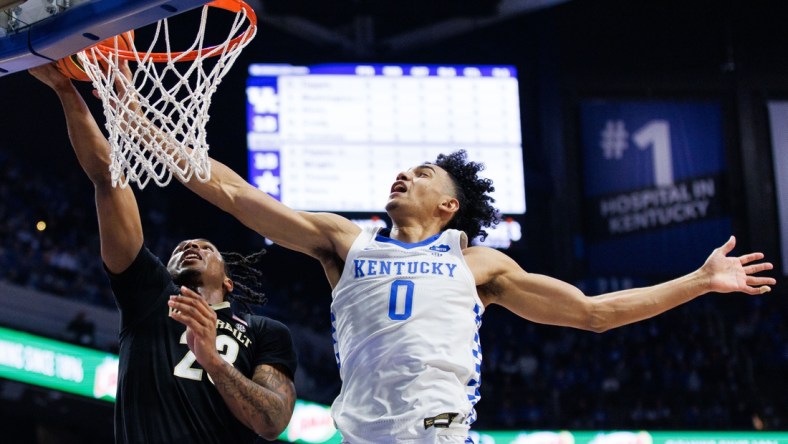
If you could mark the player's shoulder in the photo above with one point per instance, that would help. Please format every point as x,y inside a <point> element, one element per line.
<point>482,251</point>
<point>266,324</point>
<point>332,222</point>
<point>341,231</point>
<point>479,256</point>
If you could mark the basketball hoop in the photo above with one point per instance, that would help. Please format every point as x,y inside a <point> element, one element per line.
<point>156,119</point>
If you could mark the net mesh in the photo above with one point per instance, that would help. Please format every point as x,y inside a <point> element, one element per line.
<point>156,115</point>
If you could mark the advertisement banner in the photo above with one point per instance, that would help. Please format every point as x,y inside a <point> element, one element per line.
<point>57,365</point>
<point>654,185</point>
<point>778,123</point>
<point>48,363</point>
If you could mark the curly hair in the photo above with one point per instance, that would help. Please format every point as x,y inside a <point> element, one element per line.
<point>246,278</point>
<point>476,211</point>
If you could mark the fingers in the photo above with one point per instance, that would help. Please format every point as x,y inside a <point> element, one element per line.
<point>49,75</point>
<point>747,258</point>
<point>35,71</point>
<point>191,317</point>
<point>755,281</point>
<point>190,304</point>
<point>125,69</point>
<point>190,309</point>
<point>757,284</point>
<point>757,290</point>
<point>728,246</point>
<point>751,291</point>
<point>757,268</point>
<point>189,292</point>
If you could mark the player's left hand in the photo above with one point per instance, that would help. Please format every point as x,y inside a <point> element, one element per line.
<point>191,310</point>
<point>736,273</point>
<point>51,76</point>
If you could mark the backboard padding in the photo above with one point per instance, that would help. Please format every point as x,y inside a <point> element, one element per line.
<point>79,27</point>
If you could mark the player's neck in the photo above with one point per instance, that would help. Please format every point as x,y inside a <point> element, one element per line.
<point>214,297</point>
<point>211,295</point>
<point>413,233</point>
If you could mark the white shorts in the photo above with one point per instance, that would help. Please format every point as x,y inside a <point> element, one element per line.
<point>444,436</point>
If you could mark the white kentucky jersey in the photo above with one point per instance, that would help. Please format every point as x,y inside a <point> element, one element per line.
<point>406,321</point>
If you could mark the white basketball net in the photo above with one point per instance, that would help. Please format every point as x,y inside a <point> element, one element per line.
<point>156,119</point>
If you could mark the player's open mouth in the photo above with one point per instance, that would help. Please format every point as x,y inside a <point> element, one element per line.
<point>191,257</point>
<point>398,187</point>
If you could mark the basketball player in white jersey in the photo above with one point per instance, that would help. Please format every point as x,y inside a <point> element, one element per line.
<point>407,304</point>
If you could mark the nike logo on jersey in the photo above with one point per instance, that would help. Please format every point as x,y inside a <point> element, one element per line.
<point>373,267</point>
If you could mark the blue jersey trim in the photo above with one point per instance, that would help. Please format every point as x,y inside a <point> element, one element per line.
<point>427,241</point>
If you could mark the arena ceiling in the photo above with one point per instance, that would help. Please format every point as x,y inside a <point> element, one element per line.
<point>368,27</point>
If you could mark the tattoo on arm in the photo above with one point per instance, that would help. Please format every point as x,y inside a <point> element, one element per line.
<point>265,403</point>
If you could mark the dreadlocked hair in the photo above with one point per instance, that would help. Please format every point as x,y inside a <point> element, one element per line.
<point>246,278</point>
<point>476,211</point>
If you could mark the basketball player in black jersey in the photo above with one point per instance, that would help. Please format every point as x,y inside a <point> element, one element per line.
<point>191,370</point>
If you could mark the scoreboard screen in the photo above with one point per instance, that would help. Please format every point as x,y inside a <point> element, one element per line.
<point>333,137</point>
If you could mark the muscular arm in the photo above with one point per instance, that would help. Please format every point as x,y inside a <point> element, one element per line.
<point>120,228</point>
<point>315,234</point>
<point>265,403</point>
<point>550,301</point>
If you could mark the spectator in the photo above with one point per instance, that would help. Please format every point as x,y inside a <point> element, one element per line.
<point>80,330</point>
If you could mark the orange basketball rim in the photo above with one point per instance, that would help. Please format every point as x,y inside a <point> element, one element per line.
<point>234,6</point>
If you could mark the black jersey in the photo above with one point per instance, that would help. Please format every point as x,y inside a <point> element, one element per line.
<point>164,396</point>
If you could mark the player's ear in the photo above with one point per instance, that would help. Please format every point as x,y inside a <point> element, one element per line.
<point>228,285</point>
<point>450,204</point>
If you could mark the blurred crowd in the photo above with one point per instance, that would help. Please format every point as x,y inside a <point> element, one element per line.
<point>716,363</point>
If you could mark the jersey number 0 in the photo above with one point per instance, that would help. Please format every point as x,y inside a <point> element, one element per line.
<point>400,300</point>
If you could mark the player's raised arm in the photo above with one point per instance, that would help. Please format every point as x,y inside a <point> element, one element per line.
<point>316,234</point>
<point>550,301</point>
<point>120,228</point>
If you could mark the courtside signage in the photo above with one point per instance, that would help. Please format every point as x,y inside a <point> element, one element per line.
<point>630,437</point>
<point>53,364</point>
<point>57,365</point>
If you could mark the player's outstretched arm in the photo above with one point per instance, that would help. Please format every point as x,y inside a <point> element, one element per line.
<point>120,228</point>
<point>316,234</point>
<point>550,301</point>
<point>264,403</point>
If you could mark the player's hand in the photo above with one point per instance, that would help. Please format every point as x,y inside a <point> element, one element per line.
<point>191,310</point>
<point>50,76</point>
<point>736,273</point>
<point>123,78</point>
